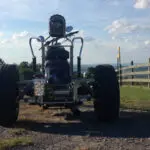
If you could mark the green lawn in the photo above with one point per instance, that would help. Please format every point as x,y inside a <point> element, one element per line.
<point>135,97</point>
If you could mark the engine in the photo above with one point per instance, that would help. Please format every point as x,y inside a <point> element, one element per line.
<point>57,66</point>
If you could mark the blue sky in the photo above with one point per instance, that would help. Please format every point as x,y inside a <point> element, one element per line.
<point>104,24</point>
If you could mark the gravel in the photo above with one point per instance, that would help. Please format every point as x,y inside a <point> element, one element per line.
<point>61,131</point>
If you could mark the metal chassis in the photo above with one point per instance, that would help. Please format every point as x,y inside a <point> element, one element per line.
<point>76,83</point>
<point>77,99</point>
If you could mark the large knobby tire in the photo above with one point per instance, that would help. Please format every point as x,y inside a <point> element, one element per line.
<point>106,93</point>
<point>9,91</point>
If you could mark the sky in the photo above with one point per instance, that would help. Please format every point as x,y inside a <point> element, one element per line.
<point>104,24</point>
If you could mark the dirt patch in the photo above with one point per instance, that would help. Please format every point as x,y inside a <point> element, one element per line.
<point>56,128</point>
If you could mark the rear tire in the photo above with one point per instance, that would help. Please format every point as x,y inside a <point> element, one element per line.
<point>106,93</point>
<point>9,91</point>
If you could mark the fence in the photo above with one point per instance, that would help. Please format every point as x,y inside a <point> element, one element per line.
<point>134,74</point>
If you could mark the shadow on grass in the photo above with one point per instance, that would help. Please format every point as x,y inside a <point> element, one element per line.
<point>130,124</point>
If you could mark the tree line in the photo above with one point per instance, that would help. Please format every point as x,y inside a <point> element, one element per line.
<point>26,70</point>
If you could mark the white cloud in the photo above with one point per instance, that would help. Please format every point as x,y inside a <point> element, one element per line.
<point>113,37</point>
<point>126,40</point>
<point>147,42</point>
<point>16,48</point>
<point>141,4</point>
<point>128,30</point>
<point>85,36</point>
<point>89,38</point>
<point>20,35</point>
<point>1,34</point>
<point>121,26</point>
<point>146,45</point>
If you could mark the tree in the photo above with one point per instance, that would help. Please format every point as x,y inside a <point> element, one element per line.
<point>90,72</point>
<point>24,66</point>
<point>26,72</point>
<point>38,67</point>
<point>2,61</point>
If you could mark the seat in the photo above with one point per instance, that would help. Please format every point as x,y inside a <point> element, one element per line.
<point>57,53</point>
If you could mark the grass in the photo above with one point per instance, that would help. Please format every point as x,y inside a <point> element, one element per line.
<point>13,142</point>
<point>19,131</point>
<point>135,97</point>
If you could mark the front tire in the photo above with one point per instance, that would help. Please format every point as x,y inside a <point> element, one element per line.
<point>106,93</point>
<point>9,91</point>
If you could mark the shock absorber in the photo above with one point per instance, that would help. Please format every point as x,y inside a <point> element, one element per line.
<point>34,63</point>
<point>79,66</point>
<point>79,57</point>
